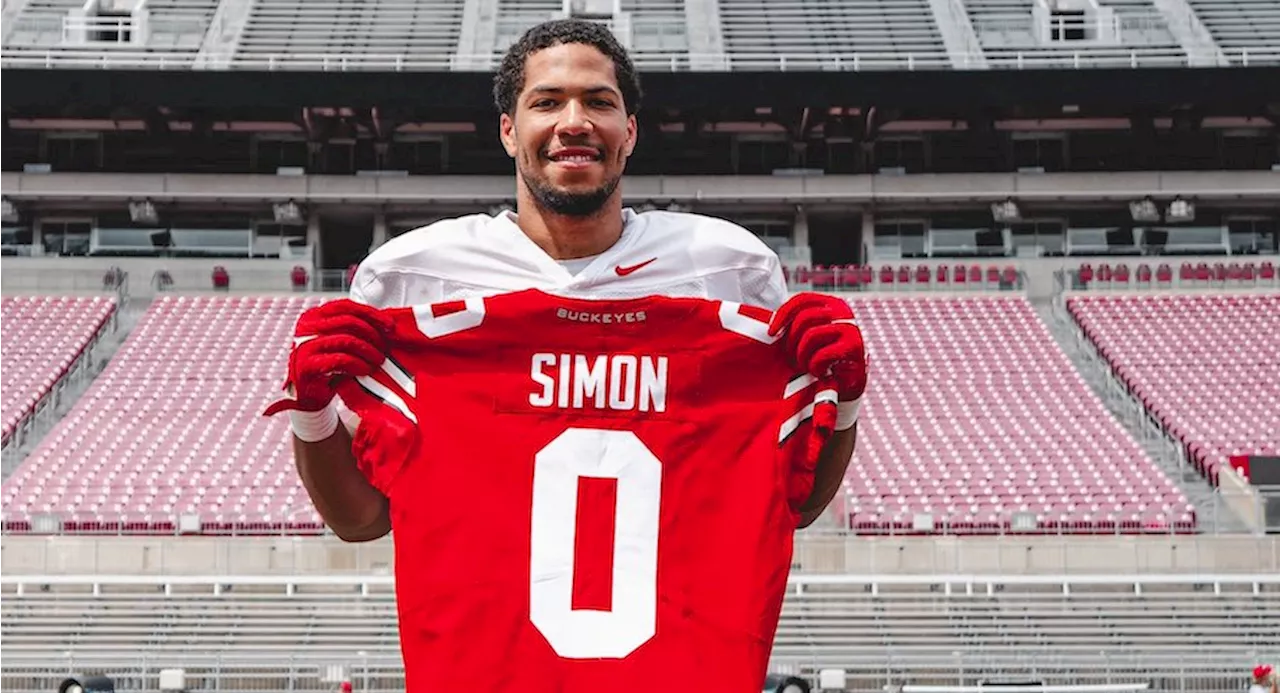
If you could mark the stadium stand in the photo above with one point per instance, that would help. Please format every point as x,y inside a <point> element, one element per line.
<point>879,628</point>
<point>39,24</point>
<point>827,35</point>
<point>975,414</point>
<point>381,31</point>
<point>174,28</point>
<point>1205,367</point>
<point>514,17</point>
<point>172,427</point>
<point>659,29</point>
<point>1241,25</point>
<point>1010,30</point>
<point>44,336</point>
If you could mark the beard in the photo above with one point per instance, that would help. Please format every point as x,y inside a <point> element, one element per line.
<point>572,204</point>
<point>565,203</point>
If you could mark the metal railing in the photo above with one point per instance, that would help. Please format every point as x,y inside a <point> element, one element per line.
<point>814,550</point>
<point>1182,633</point>
<point>1014,59</point>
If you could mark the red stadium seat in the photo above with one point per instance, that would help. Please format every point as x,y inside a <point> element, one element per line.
<point>824,276</point>
<point>868,275</point>
<point>1010,277</point>
<point>201,448</point>
<point>43,337</point>
<point>221,278</point>
<point>978,414</point>
<point>886,275</point>
<point>1144,274</point>
<point>850,277</point>
<point>1194,362</point>
<point>298,278</point>
<point>804,275</point>
<point>1267,272</point>
<point>923,275</point>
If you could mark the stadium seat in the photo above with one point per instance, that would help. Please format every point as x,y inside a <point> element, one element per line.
<point>298,278</point>
<point>173,427</point>
<point>43,337</point>
<point>974,414</point>
<point>1198,365</point>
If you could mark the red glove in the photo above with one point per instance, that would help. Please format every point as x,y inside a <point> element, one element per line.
<point>336,340</point>
<point>823,337</point>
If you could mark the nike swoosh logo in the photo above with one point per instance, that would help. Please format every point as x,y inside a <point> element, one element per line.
<point>624,271</point>
<point>298,341</point>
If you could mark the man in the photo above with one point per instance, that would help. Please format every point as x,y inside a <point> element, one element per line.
<point>567,94</point>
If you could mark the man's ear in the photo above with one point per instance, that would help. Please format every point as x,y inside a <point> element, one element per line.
<point>633,133</point>
<point>507,131</point>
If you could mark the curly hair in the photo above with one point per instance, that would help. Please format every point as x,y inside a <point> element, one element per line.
<point>509,81</point>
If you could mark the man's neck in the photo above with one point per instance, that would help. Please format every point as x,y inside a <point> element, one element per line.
<point>568,238</point>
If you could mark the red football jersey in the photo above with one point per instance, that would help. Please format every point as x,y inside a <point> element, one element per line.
<point>589,495</point>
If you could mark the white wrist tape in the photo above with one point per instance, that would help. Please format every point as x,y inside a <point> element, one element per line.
<point>847,414</point>
<point>314,426</point>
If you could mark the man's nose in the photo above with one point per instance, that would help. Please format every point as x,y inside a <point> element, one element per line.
<point>575,119</point>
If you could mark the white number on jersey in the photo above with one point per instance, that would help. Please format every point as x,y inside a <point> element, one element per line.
<point>582,633</point>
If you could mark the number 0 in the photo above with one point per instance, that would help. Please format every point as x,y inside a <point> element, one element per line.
<point>581,633</point>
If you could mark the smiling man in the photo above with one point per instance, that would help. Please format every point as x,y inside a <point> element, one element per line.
<point>567,95</point>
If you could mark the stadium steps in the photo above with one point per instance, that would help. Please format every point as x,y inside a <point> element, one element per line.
<point>1211,514</point>
<point>129,310</point>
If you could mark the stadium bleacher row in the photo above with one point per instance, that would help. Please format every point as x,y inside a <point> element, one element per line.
<point>1207,368</point>
<point>43,337</point>
<point>974,415</point>
<point>667,34</point>
<point>172,427</point>
<point>839,623</point>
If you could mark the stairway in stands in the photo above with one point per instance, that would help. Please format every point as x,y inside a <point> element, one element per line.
<point>1212,514</point>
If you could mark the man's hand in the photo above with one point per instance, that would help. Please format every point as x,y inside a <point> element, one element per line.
<point>336,340</point>
<point>825,341</point>
<point>823,337</point>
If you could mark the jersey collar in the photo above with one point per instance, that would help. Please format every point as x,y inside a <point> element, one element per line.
<point>556,275</point>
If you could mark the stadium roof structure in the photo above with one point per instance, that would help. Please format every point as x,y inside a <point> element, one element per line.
<point>664,35</point>
<point>939,56</point>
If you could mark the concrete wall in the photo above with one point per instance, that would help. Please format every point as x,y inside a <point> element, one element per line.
<point>69,274</point>
<point>30,555</point>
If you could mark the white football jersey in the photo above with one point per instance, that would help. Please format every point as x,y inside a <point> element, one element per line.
<point>659,253</point>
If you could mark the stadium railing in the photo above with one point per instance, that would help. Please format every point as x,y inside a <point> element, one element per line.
<point>1100,57</point>
<point>1179,632</point>
<point>814,553</point>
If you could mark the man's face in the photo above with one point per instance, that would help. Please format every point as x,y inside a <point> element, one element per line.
<point>571,134</point>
